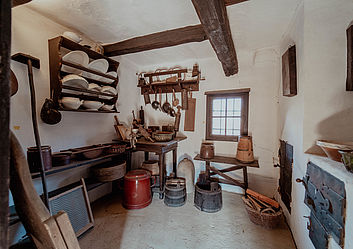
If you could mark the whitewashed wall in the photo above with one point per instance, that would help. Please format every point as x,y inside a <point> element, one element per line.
<point>30,34</point>
<point>322,109</point>
<point>258,71</point>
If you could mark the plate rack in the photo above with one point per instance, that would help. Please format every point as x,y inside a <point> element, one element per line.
<point>166,86</point>
<point>57,46</point>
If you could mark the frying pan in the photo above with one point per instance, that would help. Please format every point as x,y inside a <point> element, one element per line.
<point>14,83</point>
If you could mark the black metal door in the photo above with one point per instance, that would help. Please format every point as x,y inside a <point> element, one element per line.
<point>285,181</point>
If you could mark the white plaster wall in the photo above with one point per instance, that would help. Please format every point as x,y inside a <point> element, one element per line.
<point>322,108</point>
<point>258,71</point>
<point>30,34</point>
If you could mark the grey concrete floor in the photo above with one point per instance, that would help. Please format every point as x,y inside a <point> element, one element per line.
<point>158,226</point>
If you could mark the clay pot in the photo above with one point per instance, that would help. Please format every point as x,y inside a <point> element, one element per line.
<point>245,152</point>
<point>207,150</point>
<point>34,159</point>
<point>137,189</point>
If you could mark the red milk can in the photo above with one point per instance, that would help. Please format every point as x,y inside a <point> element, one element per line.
<point>137,189</point>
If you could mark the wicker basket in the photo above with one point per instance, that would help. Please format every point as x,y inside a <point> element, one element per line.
<point>266,220</point>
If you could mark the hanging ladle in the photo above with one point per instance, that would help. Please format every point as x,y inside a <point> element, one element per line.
<point>155,104</point>
<point>166,106</point>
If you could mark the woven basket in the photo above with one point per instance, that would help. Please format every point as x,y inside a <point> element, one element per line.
<point>266,220</point>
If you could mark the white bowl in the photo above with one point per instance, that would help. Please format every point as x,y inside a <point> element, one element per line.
<point>92,105</point>
<point>107,107</point>
<point>100,65</point>
<point>77,57</point>
<point>94,87</point>
<point>109,89</point>
<point>106,80</point>
<point>72,36</point>
<point>75,81</point>
<point>71,102</point>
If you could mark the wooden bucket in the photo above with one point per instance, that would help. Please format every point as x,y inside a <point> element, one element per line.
<point>175,192</point>
<point>245,152</point>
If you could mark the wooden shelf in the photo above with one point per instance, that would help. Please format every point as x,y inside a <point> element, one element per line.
<point>89,70</point>
<point>88,91</point>
<point>56,46</point>
<point>83,110</point>
<point>227,160</point>
<point>176,84</point>
<point>75,164</point>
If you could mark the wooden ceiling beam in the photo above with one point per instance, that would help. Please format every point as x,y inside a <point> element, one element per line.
<point>231,2</point>
<point>214,19</point>
<point>163,39</point>
<point>19,2</point>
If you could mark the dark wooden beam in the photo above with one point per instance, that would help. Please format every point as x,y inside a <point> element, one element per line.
<point>157,40</point>
<point>19,2</point>
<point>5,48</point>
<point>231,2</point>
<point>214,19</point>
<point>349,83</point>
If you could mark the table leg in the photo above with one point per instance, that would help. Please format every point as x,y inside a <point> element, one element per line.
<point>208,169</point>
<point>146,155</point>
<point>245,176</point>
<point>175,162</point>
<point>162,169</point>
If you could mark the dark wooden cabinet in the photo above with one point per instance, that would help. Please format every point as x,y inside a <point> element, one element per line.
<point>289,72</point>
<point>56,48</point>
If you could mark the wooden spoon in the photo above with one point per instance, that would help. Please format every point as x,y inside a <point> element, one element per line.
<point>175,99</point>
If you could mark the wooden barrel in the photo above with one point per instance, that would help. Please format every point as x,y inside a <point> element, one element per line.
<point>175,192</point>
<point>208,197</point>
<point>245,152</point>
<point>152,166</point>
<point>110,171</point>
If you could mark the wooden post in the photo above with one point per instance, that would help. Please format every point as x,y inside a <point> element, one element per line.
<point>349,84</point>
<point>5,43</point>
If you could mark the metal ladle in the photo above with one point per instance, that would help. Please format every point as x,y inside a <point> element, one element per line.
<point>155,104</point>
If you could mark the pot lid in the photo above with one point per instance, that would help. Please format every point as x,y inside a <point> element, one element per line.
<point>139,174</point>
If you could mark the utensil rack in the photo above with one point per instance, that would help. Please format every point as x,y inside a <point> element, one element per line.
<point>168,87</point>
<point>59,44</point>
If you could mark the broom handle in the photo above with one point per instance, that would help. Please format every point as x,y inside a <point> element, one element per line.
<point>36,132</point>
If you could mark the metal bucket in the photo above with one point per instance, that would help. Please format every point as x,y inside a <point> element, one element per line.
<point>175,192</point>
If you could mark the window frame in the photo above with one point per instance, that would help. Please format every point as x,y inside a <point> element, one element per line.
<point>244,116</point>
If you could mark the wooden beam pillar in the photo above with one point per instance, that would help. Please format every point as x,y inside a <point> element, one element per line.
<point>157,40</point>
<point>214,19</point>
<point>231,2</point>
<point>19,2</point>
<point>5,48</point>
<point>349,82</point>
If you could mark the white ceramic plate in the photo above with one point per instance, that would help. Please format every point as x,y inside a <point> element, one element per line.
<point>92,105</point>
<point>100,65</point>
<point>77,57</point>
<point>75,81</point>
<point>106,80</point>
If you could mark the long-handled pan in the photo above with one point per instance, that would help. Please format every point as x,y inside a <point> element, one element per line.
<point>14,83</point>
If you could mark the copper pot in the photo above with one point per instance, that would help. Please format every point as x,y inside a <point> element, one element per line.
<point>207,150</point>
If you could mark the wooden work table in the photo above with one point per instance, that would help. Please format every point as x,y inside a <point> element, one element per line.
<point>237,165</point>
<point>160,149</point>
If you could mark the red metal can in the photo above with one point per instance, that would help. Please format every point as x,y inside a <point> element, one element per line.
<point>137,189</point>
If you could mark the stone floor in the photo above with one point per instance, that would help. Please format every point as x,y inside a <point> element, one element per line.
<point>158,226</point>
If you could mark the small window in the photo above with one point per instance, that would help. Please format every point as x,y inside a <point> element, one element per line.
<point>227,114</point>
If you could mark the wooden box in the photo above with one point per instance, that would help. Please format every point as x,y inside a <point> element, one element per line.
<point>289,72</point>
